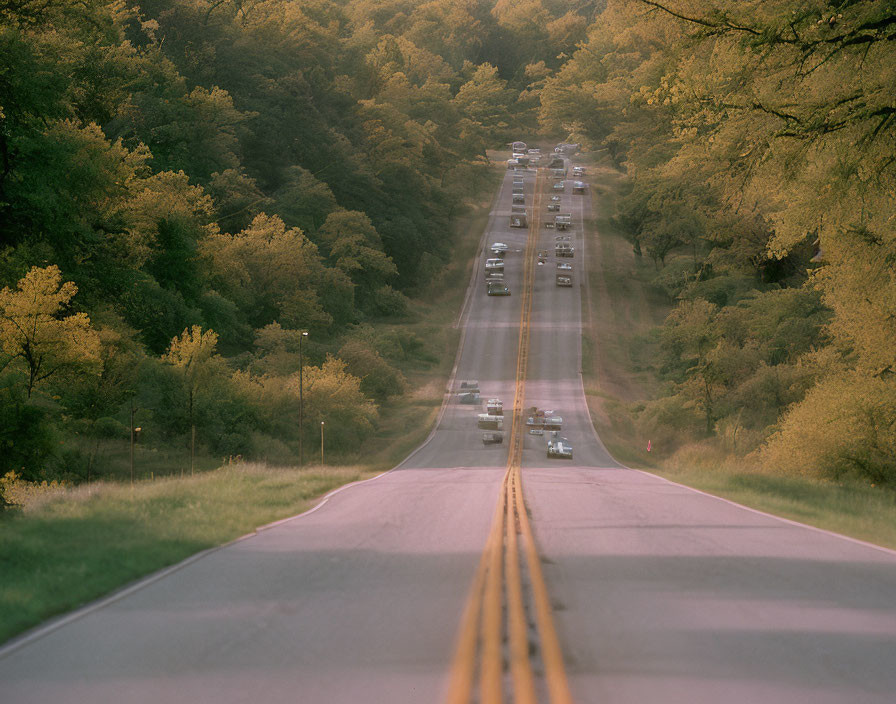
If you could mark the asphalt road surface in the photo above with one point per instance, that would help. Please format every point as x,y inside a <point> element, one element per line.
<point>662,594</point>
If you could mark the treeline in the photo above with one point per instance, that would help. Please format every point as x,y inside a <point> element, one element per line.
<point>188,185</point>
<point>759,141</point>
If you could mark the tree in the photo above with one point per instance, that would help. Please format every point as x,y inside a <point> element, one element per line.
<point>354,247</point>
<point>37,337</point>
<point>484,103</point>
<point>193,353</point>
<point>334,396</point>
<point>276,273</point>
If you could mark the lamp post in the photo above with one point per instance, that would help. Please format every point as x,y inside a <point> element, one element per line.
<point>301,400</point>
<point>321,443</point>
<point>133,438</point>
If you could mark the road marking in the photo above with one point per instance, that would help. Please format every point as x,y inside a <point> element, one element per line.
<point>482,628</point>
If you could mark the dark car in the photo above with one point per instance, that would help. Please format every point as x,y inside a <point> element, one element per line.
<point>497,288</point>
<point>492,438</point>
<point>559,448</point>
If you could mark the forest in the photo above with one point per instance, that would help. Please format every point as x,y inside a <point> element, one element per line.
<point>758,139</point>
<point>187,186</point>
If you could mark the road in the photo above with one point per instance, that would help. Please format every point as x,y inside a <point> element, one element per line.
<point>660,593</point>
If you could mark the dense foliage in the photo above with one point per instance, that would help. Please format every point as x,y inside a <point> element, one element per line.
<point>186,185</point>
<point>759,139</point>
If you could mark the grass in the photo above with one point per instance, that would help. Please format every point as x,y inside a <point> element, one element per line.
<point>851,508</point>
<point>617,349</point>
<point>74,545</point>
<point>67,546</point>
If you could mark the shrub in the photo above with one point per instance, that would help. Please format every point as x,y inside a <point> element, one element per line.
<point>846,425</point>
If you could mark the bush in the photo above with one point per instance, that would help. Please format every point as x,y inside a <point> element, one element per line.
<point>845,426</point>
<point>26,437</point>
<point>388,302</point>
<point>379,380</point>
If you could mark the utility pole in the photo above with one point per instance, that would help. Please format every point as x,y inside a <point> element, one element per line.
<point>133,411</point>
<point>301,400</point>
<point>321,443</point>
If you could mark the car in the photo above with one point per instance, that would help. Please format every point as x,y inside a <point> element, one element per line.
<point>498,248</point>
<point>564,266</point>
<point>492,438</point>
<point>518,199</point>
<point>497,288</point>
<point>494,407</point>
<point>567,148</point>
<point>555,199</point>
<point>469,397</point>
<point>559,186</point>
<point>578,170</point>
<point>493,266</point>
<point>512,163</point>
<point>469,385</point>
<point>579,187</point>
<point>553,207</point>
<point>564,280</point>
<point>559,448</point>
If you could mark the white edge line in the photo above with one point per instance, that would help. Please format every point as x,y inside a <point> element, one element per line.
<point>461,323</point>
<point>44,629</point>
<point>789,521</point>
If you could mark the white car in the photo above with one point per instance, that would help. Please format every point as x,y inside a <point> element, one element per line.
<point>498,248</point>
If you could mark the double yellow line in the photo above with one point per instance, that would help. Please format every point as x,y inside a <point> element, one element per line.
<point>482,627</point>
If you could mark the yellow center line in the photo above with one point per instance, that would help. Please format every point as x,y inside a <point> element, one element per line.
<point>483,611</point>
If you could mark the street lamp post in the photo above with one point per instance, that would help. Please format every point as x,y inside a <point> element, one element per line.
<point>133,437</point>
<point>321,443</point>
<point>301,400</point>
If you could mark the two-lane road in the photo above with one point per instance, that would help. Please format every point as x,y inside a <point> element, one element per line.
<point>661,594</point>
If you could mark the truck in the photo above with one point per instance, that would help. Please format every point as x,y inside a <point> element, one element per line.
<point>562,221</point>
<point>494,407</point>
<point>579,187</point>
<point>564,280</point>
<point>488,422</point>
<point>518,216</point>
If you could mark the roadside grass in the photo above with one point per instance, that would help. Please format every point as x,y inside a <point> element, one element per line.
<point>852,508</point>
<point>67,547</point>
<point>620,313</point>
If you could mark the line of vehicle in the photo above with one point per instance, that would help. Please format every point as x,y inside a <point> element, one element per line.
<point>482,623</point>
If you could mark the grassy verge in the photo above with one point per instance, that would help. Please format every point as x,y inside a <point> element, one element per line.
<point>622,310</point>
<point>67,546</point>
<point>70,546</point>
